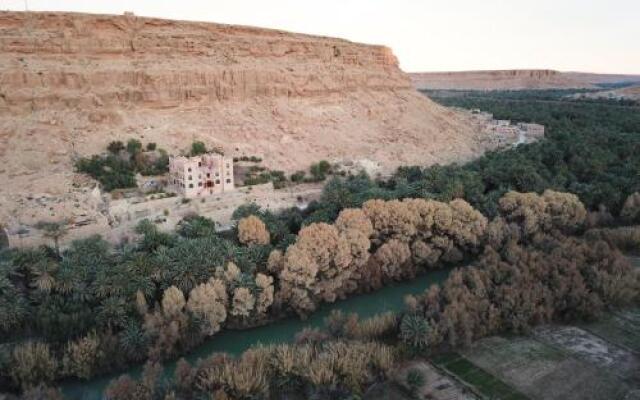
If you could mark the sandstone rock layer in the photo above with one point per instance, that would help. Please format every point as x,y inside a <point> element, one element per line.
<point>516,79</point>
<point>71,83</point>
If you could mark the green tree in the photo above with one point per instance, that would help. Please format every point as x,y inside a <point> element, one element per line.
<point>198,148</point>
<point>134,147</point>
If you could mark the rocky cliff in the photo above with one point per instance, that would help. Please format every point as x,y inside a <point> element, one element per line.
<point>71,83</point>
<point>516,79</point>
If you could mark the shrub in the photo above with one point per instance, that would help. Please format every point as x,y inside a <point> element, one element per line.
<point>320,170</point>
<point>196,226</point>
<point>134,147</point>
<point>82,357</point>
<point>414,381</point>
<point>378,327</point>
<point>111,172</point>
<point>198,148</point>
<point>115,147</point>
<point>151,146</point>
<point>32,365</point>
<point>631,209</point>
<point>297,176</point>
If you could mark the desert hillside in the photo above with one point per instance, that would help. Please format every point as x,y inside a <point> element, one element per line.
<point>497,80</point>
<point>516,79</point>
<point>71,83</point>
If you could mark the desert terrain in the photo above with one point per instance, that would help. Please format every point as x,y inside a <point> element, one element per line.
<point>72,83</point>
<point>515,80</point>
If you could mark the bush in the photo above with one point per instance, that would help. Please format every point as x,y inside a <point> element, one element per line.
<point>134,147</point>
<point>320,170</point>
<point>198,148</point>
<point>631,209</point>
<point>414,381</point>
<point>151,146</point>
<point>33,364</point>
<point>111,172</point>
<point>298,176</point>
<point>115,147</point>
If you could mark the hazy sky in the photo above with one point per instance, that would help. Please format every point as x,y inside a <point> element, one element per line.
<point>428,35</point>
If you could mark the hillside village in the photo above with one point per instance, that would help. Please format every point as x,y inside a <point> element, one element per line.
<point>209,179</point>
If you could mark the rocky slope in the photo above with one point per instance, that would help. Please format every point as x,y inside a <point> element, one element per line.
<point>497,80</point>
<point>71,83</point>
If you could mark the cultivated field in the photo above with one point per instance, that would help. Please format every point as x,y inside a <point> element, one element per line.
<point>591,361</point>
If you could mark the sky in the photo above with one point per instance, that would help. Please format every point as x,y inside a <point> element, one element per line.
<point>427,35</point>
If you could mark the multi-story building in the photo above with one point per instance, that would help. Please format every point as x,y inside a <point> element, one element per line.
<point>201,175</point>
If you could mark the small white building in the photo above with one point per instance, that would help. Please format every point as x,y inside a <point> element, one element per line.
<point>201,176</point>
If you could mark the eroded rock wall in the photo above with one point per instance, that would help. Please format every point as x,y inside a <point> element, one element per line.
<point>71,83</point>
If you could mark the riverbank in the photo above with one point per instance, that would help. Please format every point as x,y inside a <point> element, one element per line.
<point>389,298</point>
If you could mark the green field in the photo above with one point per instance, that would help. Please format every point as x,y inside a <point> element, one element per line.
<point>621,328</point>
<point>554,362</point>
<point>484,383</point>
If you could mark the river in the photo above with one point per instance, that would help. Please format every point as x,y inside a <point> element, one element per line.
<point>390,298</point>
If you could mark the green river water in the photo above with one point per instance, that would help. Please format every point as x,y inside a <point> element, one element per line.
<point>367,305</point>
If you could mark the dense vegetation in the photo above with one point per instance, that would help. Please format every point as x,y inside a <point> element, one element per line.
<point>118,168</point>
<point>591,150</point>
<point>93,307</point>
<point>165,293</point>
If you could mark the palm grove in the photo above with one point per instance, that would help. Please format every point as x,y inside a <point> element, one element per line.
<point>530,262</point>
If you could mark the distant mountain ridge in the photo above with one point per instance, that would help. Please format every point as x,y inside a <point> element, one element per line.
<point>515,79</point>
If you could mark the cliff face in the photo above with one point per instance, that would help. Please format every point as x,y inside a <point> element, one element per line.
<point>516,79</point>
<point>124,60</point>
<point>71,83</point>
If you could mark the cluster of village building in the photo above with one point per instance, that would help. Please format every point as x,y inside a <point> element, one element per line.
<point>504,132</point>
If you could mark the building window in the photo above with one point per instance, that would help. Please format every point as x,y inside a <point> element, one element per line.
<point>191,186</point>
<point>199,163</point>
<point>200,184</point>
<point>217,181</point>
<point>208,175</point>
<point>217,174</point>
<point>189,177</point>
<point>189,170</point>
<point>228,180</point>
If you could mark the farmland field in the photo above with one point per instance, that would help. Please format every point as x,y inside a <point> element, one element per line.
<point>590,361</point>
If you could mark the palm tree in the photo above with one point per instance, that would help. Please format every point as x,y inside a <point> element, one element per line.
<point>43,274</point>
<point>13,305</point>
<point>134,341</point>
<point>54,231</point>
<point>195,226</point>
<point>112,313</point>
